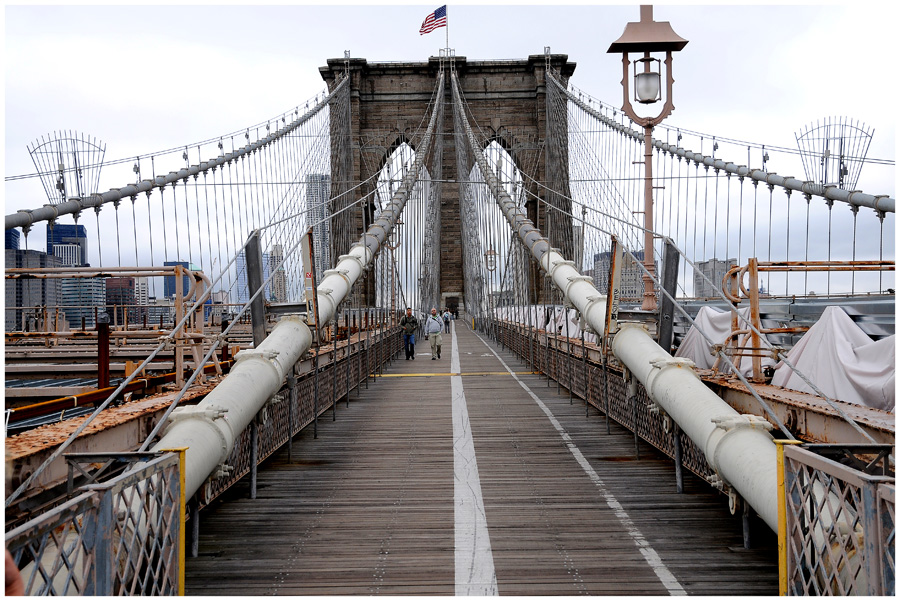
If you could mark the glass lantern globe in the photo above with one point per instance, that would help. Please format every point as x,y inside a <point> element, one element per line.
<point>490,259</point>
<point>647,87</point>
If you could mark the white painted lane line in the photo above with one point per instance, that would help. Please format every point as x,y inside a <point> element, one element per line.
<point>473,557</point>
<point>650,555</point>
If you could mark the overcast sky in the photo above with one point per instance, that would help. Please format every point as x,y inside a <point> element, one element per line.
<point>147,78</point>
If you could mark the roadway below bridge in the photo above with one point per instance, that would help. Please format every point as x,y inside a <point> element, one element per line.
<point>470,475</point>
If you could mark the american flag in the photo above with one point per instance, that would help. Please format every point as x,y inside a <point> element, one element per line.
<point>436,19</point>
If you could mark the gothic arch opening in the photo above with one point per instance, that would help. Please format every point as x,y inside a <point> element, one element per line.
<point>489,241</point>
<point>401,279</point>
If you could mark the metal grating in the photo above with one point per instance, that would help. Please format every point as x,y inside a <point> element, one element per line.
<point>887,523</point>
<point>51,550</point>
<point>839,523</point>
<point>145,524</point>
<point>121,537</point>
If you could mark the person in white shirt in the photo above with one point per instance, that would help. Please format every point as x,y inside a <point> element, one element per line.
<point>433,327</point>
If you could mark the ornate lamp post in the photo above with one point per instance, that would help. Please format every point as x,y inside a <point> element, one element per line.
<point>490,258</point>
<point>392,243</point>
<point>647,36</point>
<point>490,263</point>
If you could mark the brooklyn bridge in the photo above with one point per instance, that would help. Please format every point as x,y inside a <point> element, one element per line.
<point>652,369</point>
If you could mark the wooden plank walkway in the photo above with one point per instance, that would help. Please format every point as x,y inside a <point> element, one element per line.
<point>368,506</point>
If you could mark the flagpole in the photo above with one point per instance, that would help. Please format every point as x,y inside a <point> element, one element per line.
<point>448,34</point>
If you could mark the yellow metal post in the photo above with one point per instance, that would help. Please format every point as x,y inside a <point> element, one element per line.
<point>782,518</point>
<point>182,502</point>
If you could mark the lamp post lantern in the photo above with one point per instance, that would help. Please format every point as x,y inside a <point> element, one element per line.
<point>645,37</point>
<point>490,263</point>
<point>490,259</point>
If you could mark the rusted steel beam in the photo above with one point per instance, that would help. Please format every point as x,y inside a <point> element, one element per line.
<point>98,396</point>
<point>825,266</point>
<point>80,334</point>
<point>103,353</point>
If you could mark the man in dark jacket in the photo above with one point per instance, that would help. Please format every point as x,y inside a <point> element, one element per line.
<point>409,323</point>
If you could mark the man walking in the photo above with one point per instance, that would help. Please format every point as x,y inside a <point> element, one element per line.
<point>446,317</point>
<point>409,323</point>
<point>433,327</point>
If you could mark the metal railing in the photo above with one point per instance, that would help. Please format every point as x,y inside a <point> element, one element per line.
<point>302,400</point>
<point>121,537</point>
<point>848,476</point>
<point>126,536</point>
<point>838,530</point>
<point>746,342</point>
<point>578,367</point>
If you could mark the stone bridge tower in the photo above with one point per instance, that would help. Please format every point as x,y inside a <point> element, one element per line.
<point>505,97</point>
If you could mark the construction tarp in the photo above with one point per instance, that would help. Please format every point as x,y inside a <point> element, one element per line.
<point>551,318</point>
<point>843,362</point>
<point>716,325</point>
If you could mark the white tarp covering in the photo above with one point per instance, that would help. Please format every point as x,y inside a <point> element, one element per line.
<point>843,362</point>
<point>717,326</point>
<point>537,316</point>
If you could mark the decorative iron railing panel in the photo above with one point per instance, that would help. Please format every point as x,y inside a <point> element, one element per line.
<point>121,537</point>
<point>840,527</point>
<point>888,528</point>
<point>606,390</point>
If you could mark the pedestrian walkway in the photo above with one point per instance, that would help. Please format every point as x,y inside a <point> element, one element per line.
<point>470,475</point>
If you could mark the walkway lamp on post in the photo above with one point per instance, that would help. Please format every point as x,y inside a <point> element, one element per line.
<point>645,37</point>
<point>490,263</point>
<point>490,259</point>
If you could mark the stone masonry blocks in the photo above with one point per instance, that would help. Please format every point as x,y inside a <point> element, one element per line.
<point>505,97</point>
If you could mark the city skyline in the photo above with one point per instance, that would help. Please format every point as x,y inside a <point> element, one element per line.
<point>767,109</point>
<point>731,108</point>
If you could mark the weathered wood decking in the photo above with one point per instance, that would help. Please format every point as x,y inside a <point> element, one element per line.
<point>368,506</point>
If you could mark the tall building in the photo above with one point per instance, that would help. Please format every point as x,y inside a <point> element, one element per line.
<point>578,246</point>
<point>278,285</point>
<point>169,280</point>
<point>141,291</point>
<point>601,272</point>
<point>160,312</point>
<point>631,284</point>
<point>25,297</point>
<point>12,239</point>
<point>81,299</point>
<point>69,254</point>
<point>240,266</point>
<point>60,233</point>
<point>715,270</point>
<point>141,300</point>
<point>318,193</point>
<point>243,287</point>
<point>120,301</point>
<point>217,306</point>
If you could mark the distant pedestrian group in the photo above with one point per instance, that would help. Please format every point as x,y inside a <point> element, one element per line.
<point>434,324</point>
